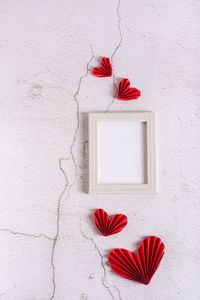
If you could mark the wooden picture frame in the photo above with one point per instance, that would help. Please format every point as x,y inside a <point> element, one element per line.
<point>122,153</point>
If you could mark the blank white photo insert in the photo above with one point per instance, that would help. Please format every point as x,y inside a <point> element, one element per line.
<point>122,152</point>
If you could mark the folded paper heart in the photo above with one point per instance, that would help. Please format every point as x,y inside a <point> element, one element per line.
<point>105,70</point>
<point>125,92</point>
<point>109,226</point>
<point>141,266</point>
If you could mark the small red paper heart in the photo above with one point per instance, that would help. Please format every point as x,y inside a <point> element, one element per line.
<point>141,266</point>
<point>105,70</point>
<point>109,226</point>
<point>125,92</point>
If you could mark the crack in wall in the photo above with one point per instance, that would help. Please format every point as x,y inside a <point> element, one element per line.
<point>78,111</point>
<point>114,52</point>
<point>119,293</point>
<point>119,29</point>
<point>26,234</point>
<point>107,110</point>
<point>104,279</point>
<point>67,184</point>
<point>57,226</point>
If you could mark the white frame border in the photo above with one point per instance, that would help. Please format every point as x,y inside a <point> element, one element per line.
<point>99,188</point>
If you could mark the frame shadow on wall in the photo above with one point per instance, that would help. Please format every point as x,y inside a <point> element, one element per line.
<point>85,152</point>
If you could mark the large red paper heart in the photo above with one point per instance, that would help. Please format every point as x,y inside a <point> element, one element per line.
<point>141,266</point>
<point>109,226</point>
<point>125,92</point>
<point>105,70</point>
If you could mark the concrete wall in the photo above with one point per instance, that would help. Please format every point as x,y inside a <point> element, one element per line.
<point>49,246</point>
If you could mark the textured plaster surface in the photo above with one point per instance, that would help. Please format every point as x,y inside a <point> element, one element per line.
<point>49,247</point>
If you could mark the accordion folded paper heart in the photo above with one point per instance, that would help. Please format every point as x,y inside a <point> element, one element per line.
<point>141,266</point>
<point>109,226</point>
<point>105,70</point>
<point>125,92</point>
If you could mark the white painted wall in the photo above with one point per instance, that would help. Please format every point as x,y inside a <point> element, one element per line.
<point>45,47</point>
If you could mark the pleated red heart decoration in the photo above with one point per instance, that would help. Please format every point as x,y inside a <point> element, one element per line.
<point>105,70</point>
<point>141,266</point>
<point>109,226</point>
<point>125,92</point>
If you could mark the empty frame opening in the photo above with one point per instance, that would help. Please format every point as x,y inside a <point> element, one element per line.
<point>122,152</point>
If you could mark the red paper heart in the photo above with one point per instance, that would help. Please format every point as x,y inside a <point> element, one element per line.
<point>105,70</point>
<point>109,226</point>
<point>141,266</point>
<point>125,92</point>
